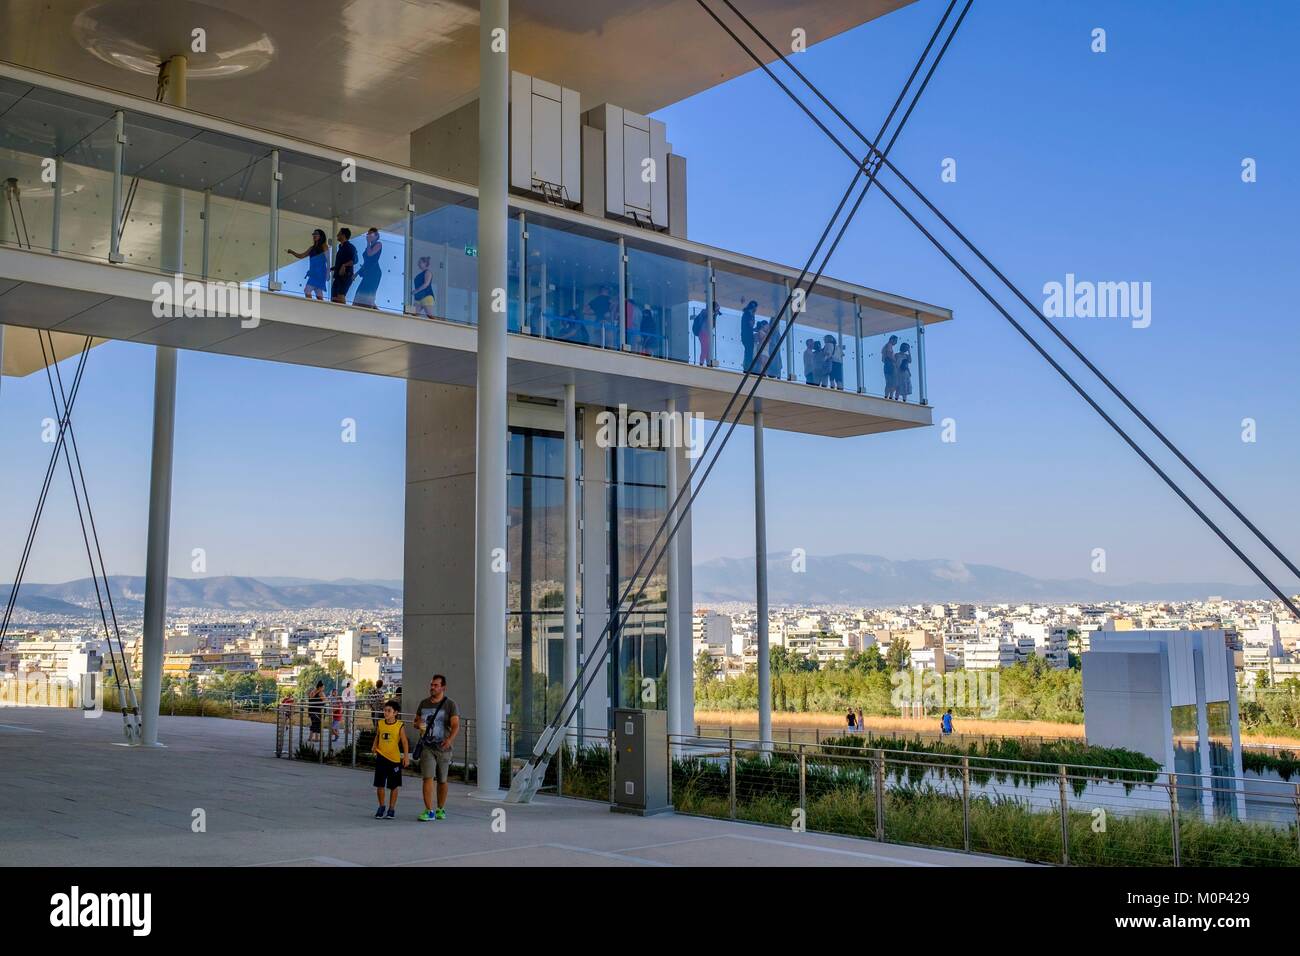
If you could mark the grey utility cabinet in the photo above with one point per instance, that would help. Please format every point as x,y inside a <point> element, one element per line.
<point>641,761</point>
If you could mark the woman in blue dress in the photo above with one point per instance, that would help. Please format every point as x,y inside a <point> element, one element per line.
<point>317,265</point>
<point>370,271</point>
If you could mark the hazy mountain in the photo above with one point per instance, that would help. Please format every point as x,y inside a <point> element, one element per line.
<point>216,593</point>
<point>870,579</point>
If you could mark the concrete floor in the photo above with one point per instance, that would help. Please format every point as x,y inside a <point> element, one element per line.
<point>69,796</point>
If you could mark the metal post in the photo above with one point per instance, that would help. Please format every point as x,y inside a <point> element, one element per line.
<point>731,764</point>
<point>803,781</point>
<point>523,278</point>
<point>273,264</point>
<point>57,216</point>
<point>119,148</point>
<point>1173,818</point>
<point>760,574</point>
<point>857,350</point>
<point>570,546</point>
<point>672,628</point>
<point>1065,818</point>
<point>1297,818</point>
<point>206,216</point>
<point>492,431</point>
<point>621,311</point>
<point>559,769</point>
<point>880,796</point>
<point>613,756</point>
<point>351,724</point>
<point>711,297</point>
<point>965,803</point>
<point>407,300</point>
<point>920,358</point>
<point>789,339</point>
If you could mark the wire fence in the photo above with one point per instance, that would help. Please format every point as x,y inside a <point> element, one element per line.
<point>1023,809</point>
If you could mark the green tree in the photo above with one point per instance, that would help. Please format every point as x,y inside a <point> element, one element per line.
<point>706,668</point>
<point>899,657</point>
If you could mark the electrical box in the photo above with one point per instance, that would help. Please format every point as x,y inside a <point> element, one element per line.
<point>545,139</point>
<point>641,761</point>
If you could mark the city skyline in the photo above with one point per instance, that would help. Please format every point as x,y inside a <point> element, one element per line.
<point>1034,482</point>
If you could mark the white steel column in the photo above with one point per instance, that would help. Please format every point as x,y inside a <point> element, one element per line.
<point>490,512</point>
<point>174,78</point>
<point>760,574</point>
<point>571,553</point>
<point>674,662</point>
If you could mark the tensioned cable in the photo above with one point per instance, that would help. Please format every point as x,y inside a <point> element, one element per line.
<point>618,618</point>
<point>41,498</point>
<point>1055,330</point>
<point>128,700</point>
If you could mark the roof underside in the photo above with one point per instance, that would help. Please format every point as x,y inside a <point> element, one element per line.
<point>361,74</point>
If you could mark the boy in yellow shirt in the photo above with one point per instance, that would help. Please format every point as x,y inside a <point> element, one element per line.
<point>392,753</point>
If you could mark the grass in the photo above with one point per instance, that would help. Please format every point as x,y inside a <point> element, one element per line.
<point>840,798</point>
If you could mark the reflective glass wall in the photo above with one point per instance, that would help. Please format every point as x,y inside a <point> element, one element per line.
<point>173,197</point>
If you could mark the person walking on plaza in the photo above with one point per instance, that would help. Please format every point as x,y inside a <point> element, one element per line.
<point>946,723</point>
<point>392,753</point>
<point>862,724</point>
<point>438,721</point>
<point>315,707</point>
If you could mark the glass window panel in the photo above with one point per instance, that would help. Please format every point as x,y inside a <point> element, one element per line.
<point>667,294</point>
<point>573,285</point>
<point>734,291</point>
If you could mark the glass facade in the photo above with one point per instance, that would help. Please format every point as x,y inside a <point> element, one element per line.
<point>535,594</point>
<point>1187,754</point>
<point>208,204</point>
<point>638,501</point>
<point>1222,760</point>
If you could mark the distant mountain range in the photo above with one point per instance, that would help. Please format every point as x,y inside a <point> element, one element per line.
<point>215,593</point>
<point>867,579</point>
<point>861,579</point>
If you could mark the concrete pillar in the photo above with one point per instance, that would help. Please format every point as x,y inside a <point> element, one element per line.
<point>438,588</point>
<point>171,260</point>
<point>570,548</point>
<point>490,478</point>
<point>760,574</point>
<point>685,603</point>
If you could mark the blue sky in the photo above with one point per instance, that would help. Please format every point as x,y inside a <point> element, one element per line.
<point>1116,166</point>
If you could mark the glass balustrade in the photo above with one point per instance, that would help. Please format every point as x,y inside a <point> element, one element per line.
<point>176,197</point>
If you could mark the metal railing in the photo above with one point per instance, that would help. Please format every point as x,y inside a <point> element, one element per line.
<point>1037,811</point>
<point>325,733</point>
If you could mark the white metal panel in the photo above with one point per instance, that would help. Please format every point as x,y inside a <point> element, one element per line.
<point>547,162</point>
<point>547,89</point>
<point>1214,653</point>
<point>659,186</point>
<point>636,150</point>
<point>521,131</point>
<point>571,144</point>
<point>613,127</point>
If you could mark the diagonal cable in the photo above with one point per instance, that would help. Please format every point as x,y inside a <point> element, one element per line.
<point>1015,290</point>
<point>529,777</point>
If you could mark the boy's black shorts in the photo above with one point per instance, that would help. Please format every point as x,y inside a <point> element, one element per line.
<point>388,775</point>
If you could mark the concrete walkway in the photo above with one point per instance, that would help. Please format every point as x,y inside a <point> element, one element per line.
<point>69,796</point>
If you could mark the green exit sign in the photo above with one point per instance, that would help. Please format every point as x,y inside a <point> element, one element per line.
<point>471,251</point>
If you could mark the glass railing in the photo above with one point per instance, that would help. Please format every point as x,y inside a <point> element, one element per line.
<point>96,180</point>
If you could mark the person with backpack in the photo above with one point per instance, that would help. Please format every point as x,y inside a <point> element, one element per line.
<point>701,326</point>
<point>392,753</point>
<point>438,721</point>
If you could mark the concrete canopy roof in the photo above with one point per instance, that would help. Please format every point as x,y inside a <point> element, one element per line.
<point>361,74</point>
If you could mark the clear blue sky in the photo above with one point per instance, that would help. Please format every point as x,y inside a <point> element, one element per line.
<point>1116,166</point>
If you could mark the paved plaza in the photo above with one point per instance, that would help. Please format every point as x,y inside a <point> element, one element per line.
<point>70,796</point>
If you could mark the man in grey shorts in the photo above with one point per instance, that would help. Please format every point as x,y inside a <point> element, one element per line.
<point>438,721</point>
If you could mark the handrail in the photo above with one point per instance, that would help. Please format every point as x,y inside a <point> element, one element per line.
<point>940,760</point>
